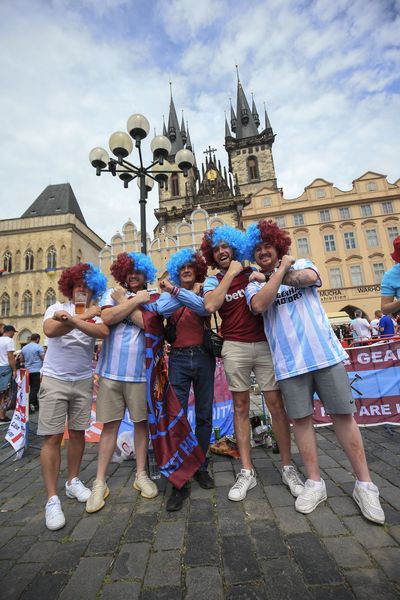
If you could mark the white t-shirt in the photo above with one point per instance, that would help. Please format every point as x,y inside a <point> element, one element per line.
<point>69,356</point>
<point>361,328</point>
<point>375,327</point>
<point>6,345</point>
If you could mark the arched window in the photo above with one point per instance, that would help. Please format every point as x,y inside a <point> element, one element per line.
<point>29,260</point>
<point>175,184</point>
<point>50,298</point>
<point>27,303</point>
<point>7,261</point>
<point>5,305</point>
<point>78,257</point>
<point>51,258</point>
<point>252,167</point>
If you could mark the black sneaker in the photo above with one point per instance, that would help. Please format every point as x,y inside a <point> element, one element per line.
<point>175,501</point>
<point>204,480</point>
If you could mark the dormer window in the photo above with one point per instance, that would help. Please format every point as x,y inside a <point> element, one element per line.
<point>245,116</point>
<point>172,134</point>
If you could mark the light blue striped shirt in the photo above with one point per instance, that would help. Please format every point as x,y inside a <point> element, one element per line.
<point>297,328</point>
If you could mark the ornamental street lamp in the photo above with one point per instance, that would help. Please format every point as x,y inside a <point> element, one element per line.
<point>121,146</point>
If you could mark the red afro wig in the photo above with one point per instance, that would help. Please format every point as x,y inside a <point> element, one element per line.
<point>276,237</point>
<point>70,277</point>
<point>206,248</point>
<point>122,267</point>
<point>201,267</point>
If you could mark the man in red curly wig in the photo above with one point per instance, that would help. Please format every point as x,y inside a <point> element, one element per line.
<point>122,373</point>
<point>245,349</point>
<point>308,358</point>
<point>66,389</point>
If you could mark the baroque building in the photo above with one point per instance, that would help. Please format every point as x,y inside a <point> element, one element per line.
<point>51,234</point>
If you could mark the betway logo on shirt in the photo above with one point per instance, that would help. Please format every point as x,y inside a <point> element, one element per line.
<point>234,296</point>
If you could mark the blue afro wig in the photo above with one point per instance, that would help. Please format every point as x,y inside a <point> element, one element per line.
<point>186,256</point>
<point>252,238</point>
<point>95,280</point>
<point>142,263</point>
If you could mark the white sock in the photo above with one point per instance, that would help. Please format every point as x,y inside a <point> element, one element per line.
<point>364,484</point>
<point>317,484</point>
<point>52,499</point>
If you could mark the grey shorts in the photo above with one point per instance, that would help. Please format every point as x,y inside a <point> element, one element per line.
<point>241,358</point>
<point>60,399</point>
<point>332,386</point>
<point>114,396</point>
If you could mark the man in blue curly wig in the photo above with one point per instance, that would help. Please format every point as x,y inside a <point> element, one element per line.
<point>245,349</point>
<point>189,361</point>
<point>122,373</point>
<point>66,388</point>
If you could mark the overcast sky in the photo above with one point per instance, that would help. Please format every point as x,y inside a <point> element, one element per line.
<point>73,71</point>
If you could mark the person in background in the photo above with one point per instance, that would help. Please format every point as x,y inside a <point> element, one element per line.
<point>1,329</point>
<point>245,349</point>
<point>32,359</point>
<point>375,324</point>
<point>308,358</point>
<point>386,326</point>
<point>360,327</point>
<point>8,367</point>
<point>66,388</point>
<point>122,373</point>
<point>390,285</point>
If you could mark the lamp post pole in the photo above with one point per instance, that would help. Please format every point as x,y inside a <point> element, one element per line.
<point>121,146</point>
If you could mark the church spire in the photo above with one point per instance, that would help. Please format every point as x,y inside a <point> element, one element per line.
<point>246,127</point>
<point>174,132</point>
<point>227,130</point>
<point>183,130</point>
<point>233,118</point>
<point>267,123</point>
<point>254,111</point>
<point>188,140</point>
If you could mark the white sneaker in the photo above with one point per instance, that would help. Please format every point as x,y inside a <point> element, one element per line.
<point>145,485</point>
<point>77,490</point>
<point>245,480</point>
<point>367,499</point>
<point>310,497</point>
<point>98,495</point>
<point>291,478</point>
<point>54,515</point>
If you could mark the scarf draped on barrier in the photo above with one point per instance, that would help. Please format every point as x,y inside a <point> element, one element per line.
<point>177,451</point>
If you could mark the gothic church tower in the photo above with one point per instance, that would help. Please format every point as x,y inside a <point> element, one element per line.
<point>249,152</point>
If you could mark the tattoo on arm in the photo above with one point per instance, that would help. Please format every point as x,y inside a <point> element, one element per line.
<point>302,278</point>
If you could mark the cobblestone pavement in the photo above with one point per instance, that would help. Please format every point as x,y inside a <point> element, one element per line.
<point>213,549</point>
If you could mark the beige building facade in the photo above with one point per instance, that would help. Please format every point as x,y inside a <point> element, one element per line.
<point>51,235</point>
<point>348,234</point>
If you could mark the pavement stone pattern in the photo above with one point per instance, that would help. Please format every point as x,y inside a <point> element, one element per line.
<point>213,549</point>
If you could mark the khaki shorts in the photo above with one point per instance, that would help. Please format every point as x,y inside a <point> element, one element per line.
<point>241,358</point>
<point>114,396</point>
<point>60,399</point>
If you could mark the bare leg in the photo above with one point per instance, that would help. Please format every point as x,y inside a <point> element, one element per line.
<point>107,443</point>
<point>50,459</point>
<point>241,403</point>
<point>141,444</point>
<point>76,447</point>
<point>349,437</point>
<point>307,443</point>
<point>280,424</point>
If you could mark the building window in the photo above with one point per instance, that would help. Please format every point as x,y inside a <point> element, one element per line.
<point>320,194</point>
<point>267,201</point>
<point>372,238</point>
<point>366,210</point>
<point>371,186</point>
<point>387,208</point>
<point>324,215</point>
<point>280,221</point>
<point>7,261</point>
<point>356,275</point>
<point>252,168</point>
<point>393,232</point>
<point>344,213</point>
<point>298,219</point>
<point>302,246</point>
<point>379,271</point>
<point>335,277</point>
<point>349,240</point>
<point>27,303</point>
<point>51,258</point>
<point>50,298</point>
<point>5,305</point>
<point>330,245</point>
<point>29,260</point>
<point>175,184</point>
